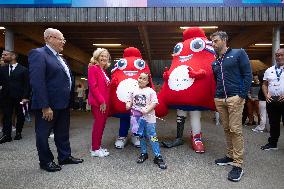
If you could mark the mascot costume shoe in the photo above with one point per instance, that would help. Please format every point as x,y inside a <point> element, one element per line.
<point>123,81</point>
<point>189,85</point>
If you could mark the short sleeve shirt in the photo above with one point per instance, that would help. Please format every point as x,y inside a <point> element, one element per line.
<point>275,86</point>
<point>141,99</point>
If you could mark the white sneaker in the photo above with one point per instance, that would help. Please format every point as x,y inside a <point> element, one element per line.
<point>104,149</point>
<point>99,153</point>
<point>135,141</point>
<point>257,129</point>
<point>13,128</point>
<point>120,142</point>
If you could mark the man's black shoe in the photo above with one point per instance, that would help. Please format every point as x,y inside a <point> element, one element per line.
<point>5,138</point>
<point>71,160</point>
<point>50,167</point>
<point>269,146</point>
<point>224,161</point>
<point>18,136</point>
<point>235,174</point>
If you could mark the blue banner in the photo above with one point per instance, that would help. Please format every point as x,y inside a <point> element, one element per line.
<point>138,3</point>
<point>213,3</point>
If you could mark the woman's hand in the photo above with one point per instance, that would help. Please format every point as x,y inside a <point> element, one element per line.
<point>103,108</point>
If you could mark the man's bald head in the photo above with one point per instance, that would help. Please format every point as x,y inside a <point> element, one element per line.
<point>279,57</point>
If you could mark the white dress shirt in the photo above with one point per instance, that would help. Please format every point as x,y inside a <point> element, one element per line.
<point>275,84</point>
<point>66,69</point>
<point>14,66</point>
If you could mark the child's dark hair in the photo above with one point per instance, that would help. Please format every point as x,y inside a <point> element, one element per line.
<point>149,79</point>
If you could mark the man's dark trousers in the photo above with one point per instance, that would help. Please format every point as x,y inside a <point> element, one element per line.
<point>61,121</point>
<point>275,110</point>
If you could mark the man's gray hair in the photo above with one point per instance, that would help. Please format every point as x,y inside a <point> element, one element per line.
<point>50,31</point>
<point>223,35</point>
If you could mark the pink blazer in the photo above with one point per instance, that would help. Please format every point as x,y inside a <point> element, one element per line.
<point>99,87</point>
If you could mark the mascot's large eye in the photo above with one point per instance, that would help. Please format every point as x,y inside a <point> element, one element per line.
<point>197,45</point>
<point>177,49</point>
<point>121,64</point>
<point>139,64</point>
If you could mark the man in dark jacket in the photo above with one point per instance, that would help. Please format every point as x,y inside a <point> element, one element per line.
<point>233,79</point>
<point>51,82</point>
<point>14,93</point>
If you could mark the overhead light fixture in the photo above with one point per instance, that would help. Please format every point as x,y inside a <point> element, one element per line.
<point>107,44</point>
<point>265,44</point>
<point>83,78</point>
<point>2,28</point>
<point>203,27</point>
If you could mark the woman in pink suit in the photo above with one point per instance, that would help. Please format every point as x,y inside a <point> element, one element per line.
<point>99,92</point>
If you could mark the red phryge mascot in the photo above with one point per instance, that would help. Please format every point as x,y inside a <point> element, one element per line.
<point>189,85</point>
<point>123,81</point>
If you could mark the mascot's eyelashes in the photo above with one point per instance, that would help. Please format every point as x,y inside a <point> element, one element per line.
<point>177,49</point>
<point>121,64</point>
<point>139,64</point>
<point>197,45</point>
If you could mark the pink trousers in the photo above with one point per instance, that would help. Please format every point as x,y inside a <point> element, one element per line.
<point>98,127</point>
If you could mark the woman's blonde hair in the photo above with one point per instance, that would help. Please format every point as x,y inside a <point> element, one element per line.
<point>96,55</point>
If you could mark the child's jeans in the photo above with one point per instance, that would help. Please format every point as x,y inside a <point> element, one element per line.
<point>148,131</point>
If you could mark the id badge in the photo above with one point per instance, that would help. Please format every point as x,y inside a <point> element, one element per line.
<point>276,84</point>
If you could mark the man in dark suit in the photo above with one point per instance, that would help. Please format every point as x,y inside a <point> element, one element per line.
<point>14,93</point>
<point>51,82</point>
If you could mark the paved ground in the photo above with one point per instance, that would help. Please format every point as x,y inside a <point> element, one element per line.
<point>186,169</point>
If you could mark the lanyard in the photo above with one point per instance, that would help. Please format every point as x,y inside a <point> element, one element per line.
<point>278,74</point>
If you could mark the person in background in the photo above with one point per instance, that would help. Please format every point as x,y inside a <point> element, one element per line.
<point>253,101</point>
<point>15,93</point>
<point>51,82</point>
<point>233,79</point>
<point>2,63</point>
<point>80,96</point>
<point>99,98</point>
<point>88,107</point>
<point>273,90</point>
<point>263,124</point>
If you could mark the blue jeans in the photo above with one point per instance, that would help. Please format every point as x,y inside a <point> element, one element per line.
<point>148,131</point>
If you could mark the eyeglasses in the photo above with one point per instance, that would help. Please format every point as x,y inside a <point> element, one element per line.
<point>60,39</point>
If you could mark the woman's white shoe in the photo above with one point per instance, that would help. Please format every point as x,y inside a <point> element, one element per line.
<point>104,149</point>
<point>99,153</point>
